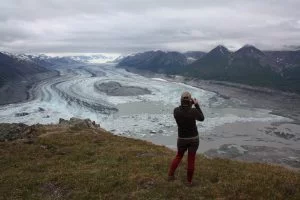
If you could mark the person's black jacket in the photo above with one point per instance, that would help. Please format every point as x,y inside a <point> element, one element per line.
<point>186,117</point>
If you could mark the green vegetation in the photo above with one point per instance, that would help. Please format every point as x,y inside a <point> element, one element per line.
<point>60,162</point>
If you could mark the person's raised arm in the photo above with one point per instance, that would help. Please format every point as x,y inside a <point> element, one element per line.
<point>198,112</point>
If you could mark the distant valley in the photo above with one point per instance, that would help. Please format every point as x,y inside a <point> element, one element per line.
<point>248,66</point>
<point>20,73</point>
<point>240,123</point>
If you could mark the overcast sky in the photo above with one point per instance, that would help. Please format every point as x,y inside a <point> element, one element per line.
<point>126,26</point>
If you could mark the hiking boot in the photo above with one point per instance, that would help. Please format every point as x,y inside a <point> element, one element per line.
<point>189,184</point>
<point>171,178</point>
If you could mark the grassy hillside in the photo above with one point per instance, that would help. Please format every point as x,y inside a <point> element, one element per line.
<point>63,162</point>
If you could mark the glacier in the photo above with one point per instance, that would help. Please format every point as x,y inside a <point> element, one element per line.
<point>73,94</point>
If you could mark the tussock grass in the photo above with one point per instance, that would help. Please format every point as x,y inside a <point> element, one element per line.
<point>68,163</point>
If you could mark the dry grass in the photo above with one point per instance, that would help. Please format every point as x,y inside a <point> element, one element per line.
<point>64,163</point>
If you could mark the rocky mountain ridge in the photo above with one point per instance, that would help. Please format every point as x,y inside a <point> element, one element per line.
<point>18,68</point>
<point>158,61</point>
<point>18,75</point>
<point>49,61</point>
<point>248,65</point>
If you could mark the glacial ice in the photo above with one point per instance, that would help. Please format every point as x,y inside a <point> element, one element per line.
<point>73,95</point>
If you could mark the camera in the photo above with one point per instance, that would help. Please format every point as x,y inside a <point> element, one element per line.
<point>192,101</point>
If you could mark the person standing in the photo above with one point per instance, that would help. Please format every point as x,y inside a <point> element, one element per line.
<point>188,138</point>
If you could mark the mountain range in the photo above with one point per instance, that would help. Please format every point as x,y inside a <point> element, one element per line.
<point>18,74</point>
<point>13,68</point>
<point>248,65</point>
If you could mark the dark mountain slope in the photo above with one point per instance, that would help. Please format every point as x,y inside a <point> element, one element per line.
<point>156,61</point>
<point>12,68</point>
<point>251,66</point>
<point>248,65</point>
<point>213,65</point>
<point>285,58</point>
<point>195,54</point>
<point>18,74</point>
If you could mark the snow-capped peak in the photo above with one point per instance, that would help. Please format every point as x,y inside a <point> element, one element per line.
<point>20,57</point>
<point>97,58</point>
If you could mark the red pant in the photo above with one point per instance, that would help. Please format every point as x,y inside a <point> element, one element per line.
<point>183,145</point>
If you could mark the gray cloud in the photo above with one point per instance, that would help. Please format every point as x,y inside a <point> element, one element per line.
<point>123,26</point>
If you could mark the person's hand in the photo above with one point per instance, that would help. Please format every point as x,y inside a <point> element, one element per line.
<point>195,101</point>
